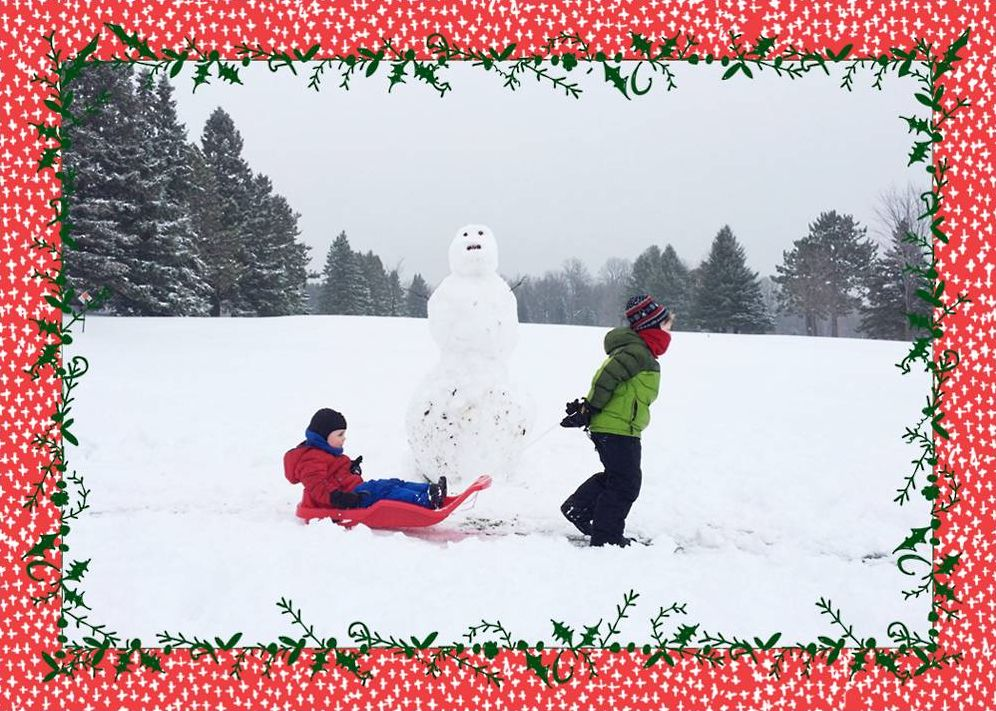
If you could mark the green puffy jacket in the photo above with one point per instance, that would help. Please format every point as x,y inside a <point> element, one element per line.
<point>625,385</point>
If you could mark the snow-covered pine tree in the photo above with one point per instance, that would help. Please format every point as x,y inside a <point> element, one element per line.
<point>217,242</point>
<point>274,278</point>
<point>294,259</point>
<point>729,296</point>
<point>344,289</point>
<point>167,274</point>
<point>105,162</point>
<point>396,295</point>
<point>378,286</point>
<point>360,299</point>
<point>260,278</point>
<point>221,145</point>
<point>892,286</point>
<point>417,298</point>
<point>330,299</point>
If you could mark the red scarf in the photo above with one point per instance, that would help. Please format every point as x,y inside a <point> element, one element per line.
<point>656,339</point>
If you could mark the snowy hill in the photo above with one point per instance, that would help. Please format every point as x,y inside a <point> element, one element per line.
<point>768,475</point>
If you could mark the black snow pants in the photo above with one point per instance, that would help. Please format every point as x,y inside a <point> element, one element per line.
<point>600,505</point>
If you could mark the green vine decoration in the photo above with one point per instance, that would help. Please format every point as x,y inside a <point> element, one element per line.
<point>942,489</point>
<point>288,650</point>
<point>912,654</point>
<point>423,654</point>
<point>57,483</point>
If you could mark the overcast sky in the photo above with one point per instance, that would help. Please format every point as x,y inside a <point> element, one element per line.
<point>556,177</point>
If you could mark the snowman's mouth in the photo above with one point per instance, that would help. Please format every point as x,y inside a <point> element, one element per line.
<point>473,246</point>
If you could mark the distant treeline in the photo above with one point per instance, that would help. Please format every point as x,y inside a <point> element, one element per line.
<point>833,281</point>
<point>356,283</point>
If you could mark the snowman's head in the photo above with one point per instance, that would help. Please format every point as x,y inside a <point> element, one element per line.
<point>473,252</point>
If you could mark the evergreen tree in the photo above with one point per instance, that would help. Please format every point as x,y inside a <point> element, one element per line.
<point>167,274</point>
<point>221,145</point>
<point>803,285</point>
<point>396,295</point>
<point>417,298</point>
<point>729,294</point>
<point>674,282</point>
<point>662,275</point>
<point>647,272</point>
<point>292,256</point>
<point>217,242</point>
<point>826,271</point>
<point>361,299</point>
<point>378,285</point>
<point>891,285</point>
<point>274,279</point>
<point>689,320</point>
<point>172,138</point>
<point>105,161</point>
<point>344,290</point>
<point>849,258</point>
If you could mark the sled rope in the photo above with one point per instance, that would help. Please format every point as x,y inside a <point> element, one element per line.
<point>543,434</point>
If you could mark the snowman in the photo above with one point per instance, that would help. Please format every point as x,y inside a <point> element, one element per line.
<point>466,418</point>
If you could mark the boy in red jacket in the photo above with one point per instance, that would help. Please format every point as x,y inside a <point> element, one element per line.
<point>332,480</point>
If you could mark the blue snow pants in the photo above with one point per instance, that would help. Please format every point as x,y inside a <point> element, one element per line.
<point>409,492</point>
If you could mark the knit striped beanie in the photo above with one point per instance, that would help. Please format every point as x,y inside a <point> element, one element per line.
<point>643,312</point>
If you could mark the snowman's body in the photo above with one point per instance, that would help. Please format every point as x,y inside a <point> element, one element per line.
<point>466,418</point>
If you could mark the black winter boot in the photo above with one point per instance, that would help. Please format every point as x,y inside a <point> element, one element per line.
<point>621,541</point>
<point>435,495</point>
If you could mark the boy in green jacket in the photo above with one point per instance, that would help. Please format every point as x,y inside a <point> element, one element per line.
<point>615,411</point>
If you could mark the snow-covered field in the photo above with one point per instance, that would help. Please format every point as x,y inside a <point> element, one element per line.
<point>769,472</point>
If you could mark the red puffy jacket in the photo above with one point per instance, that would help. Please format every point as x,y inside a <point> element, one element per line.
<point>320,472</point>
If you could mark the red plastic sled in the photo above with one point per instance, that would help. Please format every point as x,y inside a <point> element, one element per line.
<point>395,514</point>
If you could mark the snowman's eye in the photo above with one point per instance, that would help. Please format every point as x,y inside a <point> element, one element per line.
<point>464,234</point>
<point>480,232</point>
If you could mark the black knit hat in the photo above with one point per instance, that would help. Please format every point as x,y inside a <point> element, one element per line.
<point>325,421</point>
<point>643,312</point>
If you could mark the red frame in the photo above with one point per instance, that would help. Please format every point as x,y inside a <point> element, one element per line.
<point>966,264</point>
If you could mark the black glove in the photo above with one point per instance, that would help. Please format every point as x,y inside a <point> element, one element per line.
<point>345,499</point>
<point>579,414</point>
<point>355,466</point>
